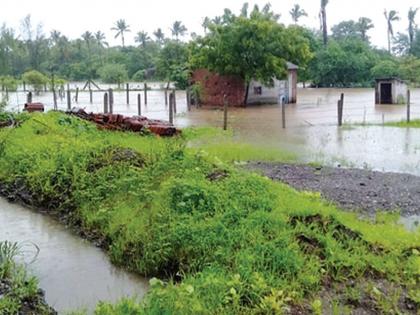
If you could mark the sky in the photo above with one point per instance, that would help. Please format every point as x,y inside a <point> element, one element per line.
<point>74,17</point>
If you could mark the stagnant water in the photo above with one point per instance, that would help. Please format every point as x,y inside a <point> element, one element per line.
<point>74,273</point>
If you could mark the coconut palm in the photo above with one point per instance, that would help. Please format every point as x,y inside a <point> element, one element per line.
<point>412,25</point>
<point>88,38</point>
<point>160,36</point>
<point>364,24</point>
<point>390,17</point>
<point>244,10</point>
<point>178,29</point>
<point>100,39</point>
<point>323,18</point>
<point>121,27</point>
<point>206,23</point>
<point>296,12</point>
<point>142,38</point>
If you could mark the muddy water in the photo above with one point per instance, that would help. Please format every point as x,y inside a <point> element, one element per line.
<point>74,273</point>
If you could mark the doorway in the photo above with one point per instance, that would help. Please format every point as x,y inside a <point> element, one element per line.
<point>386,93</point>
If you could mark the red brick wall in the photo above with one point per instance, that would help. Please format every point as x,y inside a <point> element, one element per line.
<point>215,86</point>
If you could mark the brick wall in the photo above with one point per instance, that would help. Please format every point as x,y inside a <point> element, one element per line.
<point>215,86</point>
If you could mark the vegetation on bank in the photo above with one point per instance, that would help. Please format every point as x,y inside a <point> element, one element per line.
<point>221,240</point>
<point>19,293</point>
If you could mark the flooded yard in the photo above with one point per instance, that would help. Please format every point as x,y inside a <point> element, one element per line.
<point>311,124</point>
<point>73,273</point>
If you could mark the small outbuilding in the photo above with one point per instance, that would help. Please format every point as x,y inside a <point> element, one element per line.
<point>215,86</point>
<point>390,91</point>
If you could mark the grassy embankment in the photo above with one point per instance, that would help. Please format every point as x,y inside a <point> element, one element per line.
<point>222,241</point>
<point>404,124</point>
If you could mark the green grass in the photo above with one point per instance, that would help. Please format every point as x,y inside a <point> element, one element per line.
<point>221,240</point>
<point>17,288</point>
<point>404,124</point>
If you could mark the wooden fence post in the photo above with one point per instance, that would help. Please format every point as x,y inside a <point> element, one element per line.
<point>68,100</point>
<point>106,103</point>
<point>111,101</point>
<point>340,106</point>
<point>188,99</point>
<point>408,106</point>
<point>174,93</point>
<point>76,98</point>
<point>24,86</point>
<point>166,97</point>
<point>127,88</point>
<point>171,108</point>
<point>29,98</point>
<point>145,93</point>
<point>139,104</point>
<point>283,114</point>
<point>90,96</point>
<point>55,99</point>
<point>225,112</point>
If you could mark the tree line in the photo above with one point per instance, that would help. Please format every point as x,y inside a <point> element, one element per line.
<point>251,44</point>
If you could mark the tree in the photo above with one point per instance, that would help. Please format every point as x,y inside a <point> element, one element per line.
<point>345,63</point>
<point>160,36</point>
<point>364,24</point>
<point>385,69</point>
<point>390,17</point>
<point>35,78</point>
<point>121,27</point>
<point>113,73</point>
<point>296,13</point>
<point>178,29</point>
<point>100,39</point>
<point>172,63</point>
<point>206,23</point>
<point>142,38</point>
<point>323,18</point>
<point>412,26</point>
<point>251,48</point>
<point>401,45</point>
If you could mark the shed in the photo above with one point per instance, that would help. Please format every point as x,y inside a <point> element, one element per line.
<point>390,91</point>
<point>214,86</point>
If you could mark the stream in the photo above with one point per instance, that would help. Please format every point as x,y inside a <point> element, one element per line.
<point>73,273</point>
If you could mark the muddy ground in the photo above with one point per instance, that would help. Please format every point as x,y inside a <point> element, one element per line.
<point>351,189</point>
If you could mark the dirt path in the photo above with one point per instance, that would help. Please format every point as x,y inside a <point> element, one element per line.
<point>352,189</point>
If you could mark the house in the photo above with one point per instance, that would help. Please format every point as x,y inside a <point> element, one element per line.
<point>390,91</point>
<point>215,86</point>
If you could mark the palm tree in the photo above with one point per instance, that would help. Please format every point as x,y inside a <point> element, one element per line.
<point>206,23</point>
<point>217,20</point>
<point>412,25</point>
<point>121,27</point>
<point>142,38</point>
<point>160,36</point>
<point>364,25</point>
<point>55,37</point>
<point>296,12</point>
<point>88,38</point>
<point>390,17</point>
<point>100,39</point>
<point>178,29</point>
<point>244,10</point>
<point>323,17</point>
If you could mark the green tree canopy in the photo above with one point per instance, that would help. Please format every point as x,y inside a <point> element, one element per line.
<point>113,73</point>
<point>252,48</point>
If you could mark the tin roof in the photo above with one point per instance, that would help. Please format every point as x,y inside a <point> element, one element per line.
<point>291,66</point>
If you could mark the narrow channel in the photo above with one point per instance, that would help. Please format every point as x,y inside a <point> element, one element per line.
<point>73,273</point>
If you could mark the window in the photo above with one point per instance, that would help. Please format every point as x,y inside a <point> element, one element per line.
<point>258,90</point>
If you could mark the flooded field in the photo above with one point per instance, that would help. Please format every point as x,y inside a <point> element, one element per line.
<point>73,273</point>
<point>311,131</point>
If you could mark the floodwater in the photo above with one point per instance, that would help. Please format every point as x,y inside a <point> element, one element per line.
<point>311,124</point>
<point>73,273</point>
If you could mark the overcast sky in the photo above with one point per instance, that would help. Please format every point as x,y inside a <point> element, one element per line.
<point>73,17</point>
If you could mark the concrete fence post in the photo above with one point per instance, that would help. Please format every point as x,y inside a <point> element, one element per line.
<point>105,103</point>
<point>225,112</point>
<point>408,106</point>
<point>139,104</point>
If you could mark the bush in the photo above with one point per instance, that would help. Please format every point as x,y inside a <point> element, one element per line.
<point>36,79</point>
<point>113,73</point>
<point>9,83</point>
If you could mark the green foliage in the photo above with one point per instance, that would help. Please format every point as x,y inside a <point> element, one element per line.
<point>343,63</point>
<point>226,241</point>
<point>8,82</point>
<point>386,69</point>
<point>113,73</point>
<point>251,48</point>
<point>172,63</point>
<point>35,78</point>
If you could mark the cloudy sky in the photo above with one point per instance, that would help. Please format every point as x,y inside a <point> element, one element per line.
<point>74,17</point>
